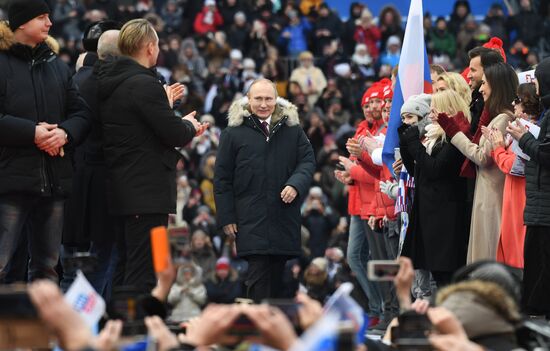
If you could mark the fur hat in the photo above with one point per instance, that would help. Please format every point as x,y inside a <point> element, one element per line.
<point>418,105</point>
<point>320,262</point>
<point>22,11</point>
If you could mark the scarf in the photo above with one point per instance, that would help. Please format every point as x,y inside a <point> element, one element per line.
<point>468,169</point>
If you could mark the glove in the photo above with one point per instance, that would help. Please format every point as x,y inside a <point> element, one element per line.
<point>448,124</point>
<point>389,188</point>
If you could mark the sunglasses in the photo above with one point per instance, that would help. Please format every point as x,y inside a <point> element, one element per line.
<point>517,100</point>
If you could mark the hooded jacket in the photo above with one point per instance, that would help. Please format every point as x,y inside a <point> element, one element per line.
<point>36,86</point>
<point>252,170</point>
<point>140,133</point>
<point>537,170</point>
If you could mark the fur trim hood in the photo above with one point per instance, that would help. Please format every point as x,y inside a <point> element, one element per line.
<point>7,39</point>
<point>6,36</point>
<point>492,295</point>
<point>240,109</point>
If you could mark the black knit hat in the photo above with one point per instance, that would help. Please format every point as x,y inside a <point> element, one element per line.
<point>22,11</point>
<point>94,31</point>
<point>542,73</point>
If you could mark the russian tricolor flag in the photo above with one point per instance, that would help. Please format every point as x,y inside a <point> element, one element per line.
<point>413,77</point>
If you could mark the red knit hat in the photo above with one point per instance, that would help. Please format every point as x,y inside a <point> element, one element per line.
<point>222,263</point>
<point>365,98</point>
<point>495,43</point>
<point>387,92</point>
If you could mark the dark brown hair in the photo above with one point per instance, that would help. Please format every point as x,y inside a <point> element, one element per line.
<point>487,56</point>
<point>529,99</point>
<point>503,81</point>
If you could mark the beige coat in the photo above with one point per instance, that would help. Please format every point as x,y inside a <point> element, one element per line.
<point>308,78</point>
<point>487,206</point>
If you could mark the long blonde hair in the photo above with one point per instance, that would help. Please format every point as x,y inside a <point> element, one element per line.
<point>449,102</point>
<point>457,83</point>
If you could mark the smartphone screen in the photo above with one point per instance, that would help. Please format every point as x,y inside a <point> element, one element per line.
<point>382,270</point>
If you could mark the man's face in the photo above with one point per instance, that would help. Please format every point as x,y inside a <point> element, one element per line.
<point>367,112</point>
<point>476,73</point>
<point>36,30</point>
<point>153,51</point>
<point>262,99</point>
<point>376,107</point>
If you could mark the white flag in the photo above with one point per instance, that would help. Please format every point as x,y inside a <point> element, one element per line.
<point>85,300</point>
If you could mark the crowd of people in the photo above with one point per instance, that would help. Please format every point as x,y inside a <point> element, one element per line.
<point>272,182</point>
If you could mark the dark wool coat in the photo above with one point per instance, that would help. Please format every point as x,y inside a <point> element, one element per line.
<point>250,174</point>
<point>140,133</point>
<point>437,237</point>
<point>36,86</point>
<point>86,216</point>
<point>537,170</point>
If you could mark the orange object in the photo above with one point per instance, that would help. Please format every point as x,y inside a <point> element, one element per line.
<point>161,248</point>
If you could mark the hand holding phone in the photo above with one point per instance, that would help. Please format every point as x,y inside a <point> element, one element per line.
<point>382,270</point>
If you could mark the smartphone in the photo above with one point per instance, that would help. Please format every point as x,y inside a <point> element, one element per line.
<point>382,270</point>
<point>289,308</point>
<point>397,153</point>
<point>243,326</point>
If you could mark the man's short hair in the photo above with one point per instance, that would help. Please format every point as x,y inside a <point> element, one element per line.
<point>487,56</point>
<point>256,81</point>
<point>107,45</point>
<point>134,34</point>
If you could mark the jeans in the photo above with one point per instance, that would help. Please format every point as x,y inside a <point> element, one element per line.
<point>358,255</point>
<point>44,215</point>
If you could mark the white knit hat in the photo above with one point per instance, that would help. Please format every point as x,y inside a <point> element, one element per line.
<point>418,105</point>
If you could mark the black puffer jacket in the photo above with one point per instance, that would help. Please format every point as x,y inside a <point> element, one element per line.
<point>36,86</point>
<point>537,170</point>
<point>250,175</point>
<point>140,133</point>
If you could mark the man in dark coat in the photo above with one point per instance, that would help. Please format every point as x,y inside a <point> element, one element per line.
<point>42,118</point>
<point>140,132</point>
<point>88,226</point>
<point>264,166</point>
<point>536,276</point>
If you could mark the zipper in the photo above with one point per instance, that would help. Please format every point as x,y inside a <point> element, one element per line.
<point>43,176</point>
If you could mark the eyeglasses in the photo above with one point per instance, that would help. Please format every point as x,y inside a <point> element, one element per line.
<point>517,100</point>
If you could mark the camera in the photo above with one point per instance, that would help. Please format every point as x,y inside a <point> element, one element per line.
<point>382,270</point>
<point>412,332</point>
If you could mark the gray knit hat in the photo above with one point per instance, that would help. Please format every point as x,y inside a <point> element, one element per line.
<point>417,105</point>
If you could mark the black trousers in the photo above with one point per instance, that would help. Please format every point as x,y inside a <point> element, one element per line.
<point>265,276</point>
<point>536,274</point>
<point>135,260</point>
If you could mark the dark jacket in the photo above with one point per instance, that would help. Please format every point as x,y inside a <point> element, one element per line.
<point>140,134</point>
<point>537,170</point>
<point>223,291</point>
<point>36,86</point>
<point>437,236</point>
<point>86,216</point>
<point>476,108</point>
<point>251,173</point>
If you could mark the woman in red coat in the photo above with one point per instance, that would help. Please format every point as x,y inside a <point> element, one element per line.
<point>512,230</point>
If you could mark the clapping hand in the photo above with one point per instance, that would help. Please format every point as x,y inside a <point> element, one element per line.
<point>353,147</point>
<point>516,130</point>
<point>368,143</point>
<point>174,92</point>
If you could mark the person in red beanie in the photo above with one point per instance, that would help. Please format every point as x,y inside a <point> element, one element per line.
<point>223,286</point>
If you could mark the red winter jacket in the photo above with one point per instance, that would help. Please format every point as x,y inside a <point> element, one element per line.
<point>363,191</point>
<point>383,205</point>
<point>370,37</point>
<point>202,28</point>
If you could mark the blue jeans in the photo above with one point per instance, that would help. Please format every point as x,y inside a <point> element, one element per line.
<point>44,216</point>
<point>358,255</point>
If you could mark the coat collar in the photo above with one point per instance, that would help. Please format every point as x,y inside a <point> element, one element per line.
<point>241,108</point>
